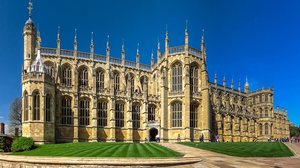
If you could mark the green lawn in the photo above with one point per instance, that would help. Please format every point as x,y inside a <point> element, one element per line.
<point>245,149</point>
<point>85,149</point>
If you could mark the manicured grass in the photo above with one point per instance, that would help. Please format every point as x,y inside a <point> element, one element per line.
<point>85,149</point>
<point>245,149</point>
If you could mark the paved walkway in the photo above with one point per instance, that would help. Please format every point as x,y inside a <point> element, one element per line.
<point>214,160</point>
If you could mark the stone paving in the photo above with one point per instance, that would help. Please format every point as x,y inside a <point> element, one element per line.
<point>215,160</point>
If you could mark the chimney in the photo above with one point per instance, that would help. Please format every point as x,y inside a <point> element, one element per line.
<point>16,132</point>
<point>2,128</point>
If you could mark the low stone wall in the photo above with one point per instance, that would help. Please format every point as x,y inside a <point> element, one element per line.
<point>11,161</point>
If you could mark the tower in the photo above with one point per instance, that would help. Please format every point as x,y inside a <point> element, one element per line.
<point>38,91</point>
<point>29,35</point>
<point>206,112</point>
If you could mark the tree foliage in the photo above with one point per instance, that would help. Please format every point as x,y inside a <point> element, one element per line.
<point>294,131</point>
<point>15,115</point>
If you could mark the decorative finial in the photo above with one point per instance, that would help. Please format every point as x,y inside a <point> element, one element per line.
<point>75,36</point>
<point>138,49</point>
<point>58,33</point>
<point>232,83</point>
<point>167,31</point>
<point>246,84</point>
<point>92,38</point>
<point>216,78</point>
<point>38,40</point>
<point>202,38</point>
<point>123,47</point>
<point>30,8</point>
<point>186,27</point>
<point>107,42</point>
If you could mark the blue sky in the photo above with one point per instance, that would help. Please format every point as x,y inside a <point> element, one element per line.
<point>254,38</point>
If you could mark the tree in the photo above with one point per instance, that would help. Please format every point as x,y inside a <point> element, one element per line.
<point>15,116</point>
<point>294,131</point>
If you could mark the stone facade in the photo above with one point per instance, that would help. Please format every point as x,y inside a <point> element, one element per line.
<point>71,96</point>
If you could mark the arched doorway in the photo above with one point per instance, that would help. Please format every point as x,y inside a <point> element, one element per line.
<point>152,134</point>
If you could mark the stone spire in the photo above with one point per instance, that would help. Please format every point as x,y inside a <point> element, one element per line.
<point>246,87</point>
<point>186,39</point>
<point>152,59</point>
<point>92,46</point>
<point>38,40</point>
<point>75,40</point>
<point>137,57</point>
<point>107,47</point>
<point>216,79</point>
<point>158,51</point>
<point>58,38</point>
<point>203,49</point>
<point>232,84</point>
<point>92,42</point>
<point>123,53</point>
<point>224,81</point>
<point>239,86</point>
<point>167,41</point>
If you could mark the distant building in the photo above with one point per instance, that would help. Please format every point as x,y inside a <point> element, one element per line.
<point>71,96</point>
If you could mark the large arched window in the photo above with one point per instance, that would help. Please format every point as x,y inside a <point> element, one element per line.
<point>99,81</point>
<point>177,77</point>
<point>48,108</point>
<point>136,116</point>
<point>266,129</point>
<point>67,76</point>
<point>25,106</point>
<point>102,113</point>
<point>84,112</point>
<point>176,114</point>
<point>119,115</point>
<point>151,113</point>
<point>83,78</point>
<point>194,115</point>
<point>36,106</point>
<point>194,79</point>
<point>116,81</point>
<point>66,116</point>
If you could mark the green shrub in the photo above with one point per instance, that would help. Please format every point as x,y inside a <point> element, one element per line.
<point>22,144</point>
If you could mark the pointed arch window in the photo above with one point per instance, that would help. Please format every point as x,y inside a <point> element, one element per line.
<point>48,108</point>
<point>99,81</point>
<point>67,76</point>
<point>36,106</point>
<point>151,113</point>
<point>177,114</point>
<point>102,113</point>
<point>194,115</point>
<point>25,106</point>
<point>83,78</point>
<point>136,116</point>
<point>194,79</point>
<point>266,129</point>
<point>119,115</point>
<point>177,77</point>
<point>66,111</point>
<point>84,112</point>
